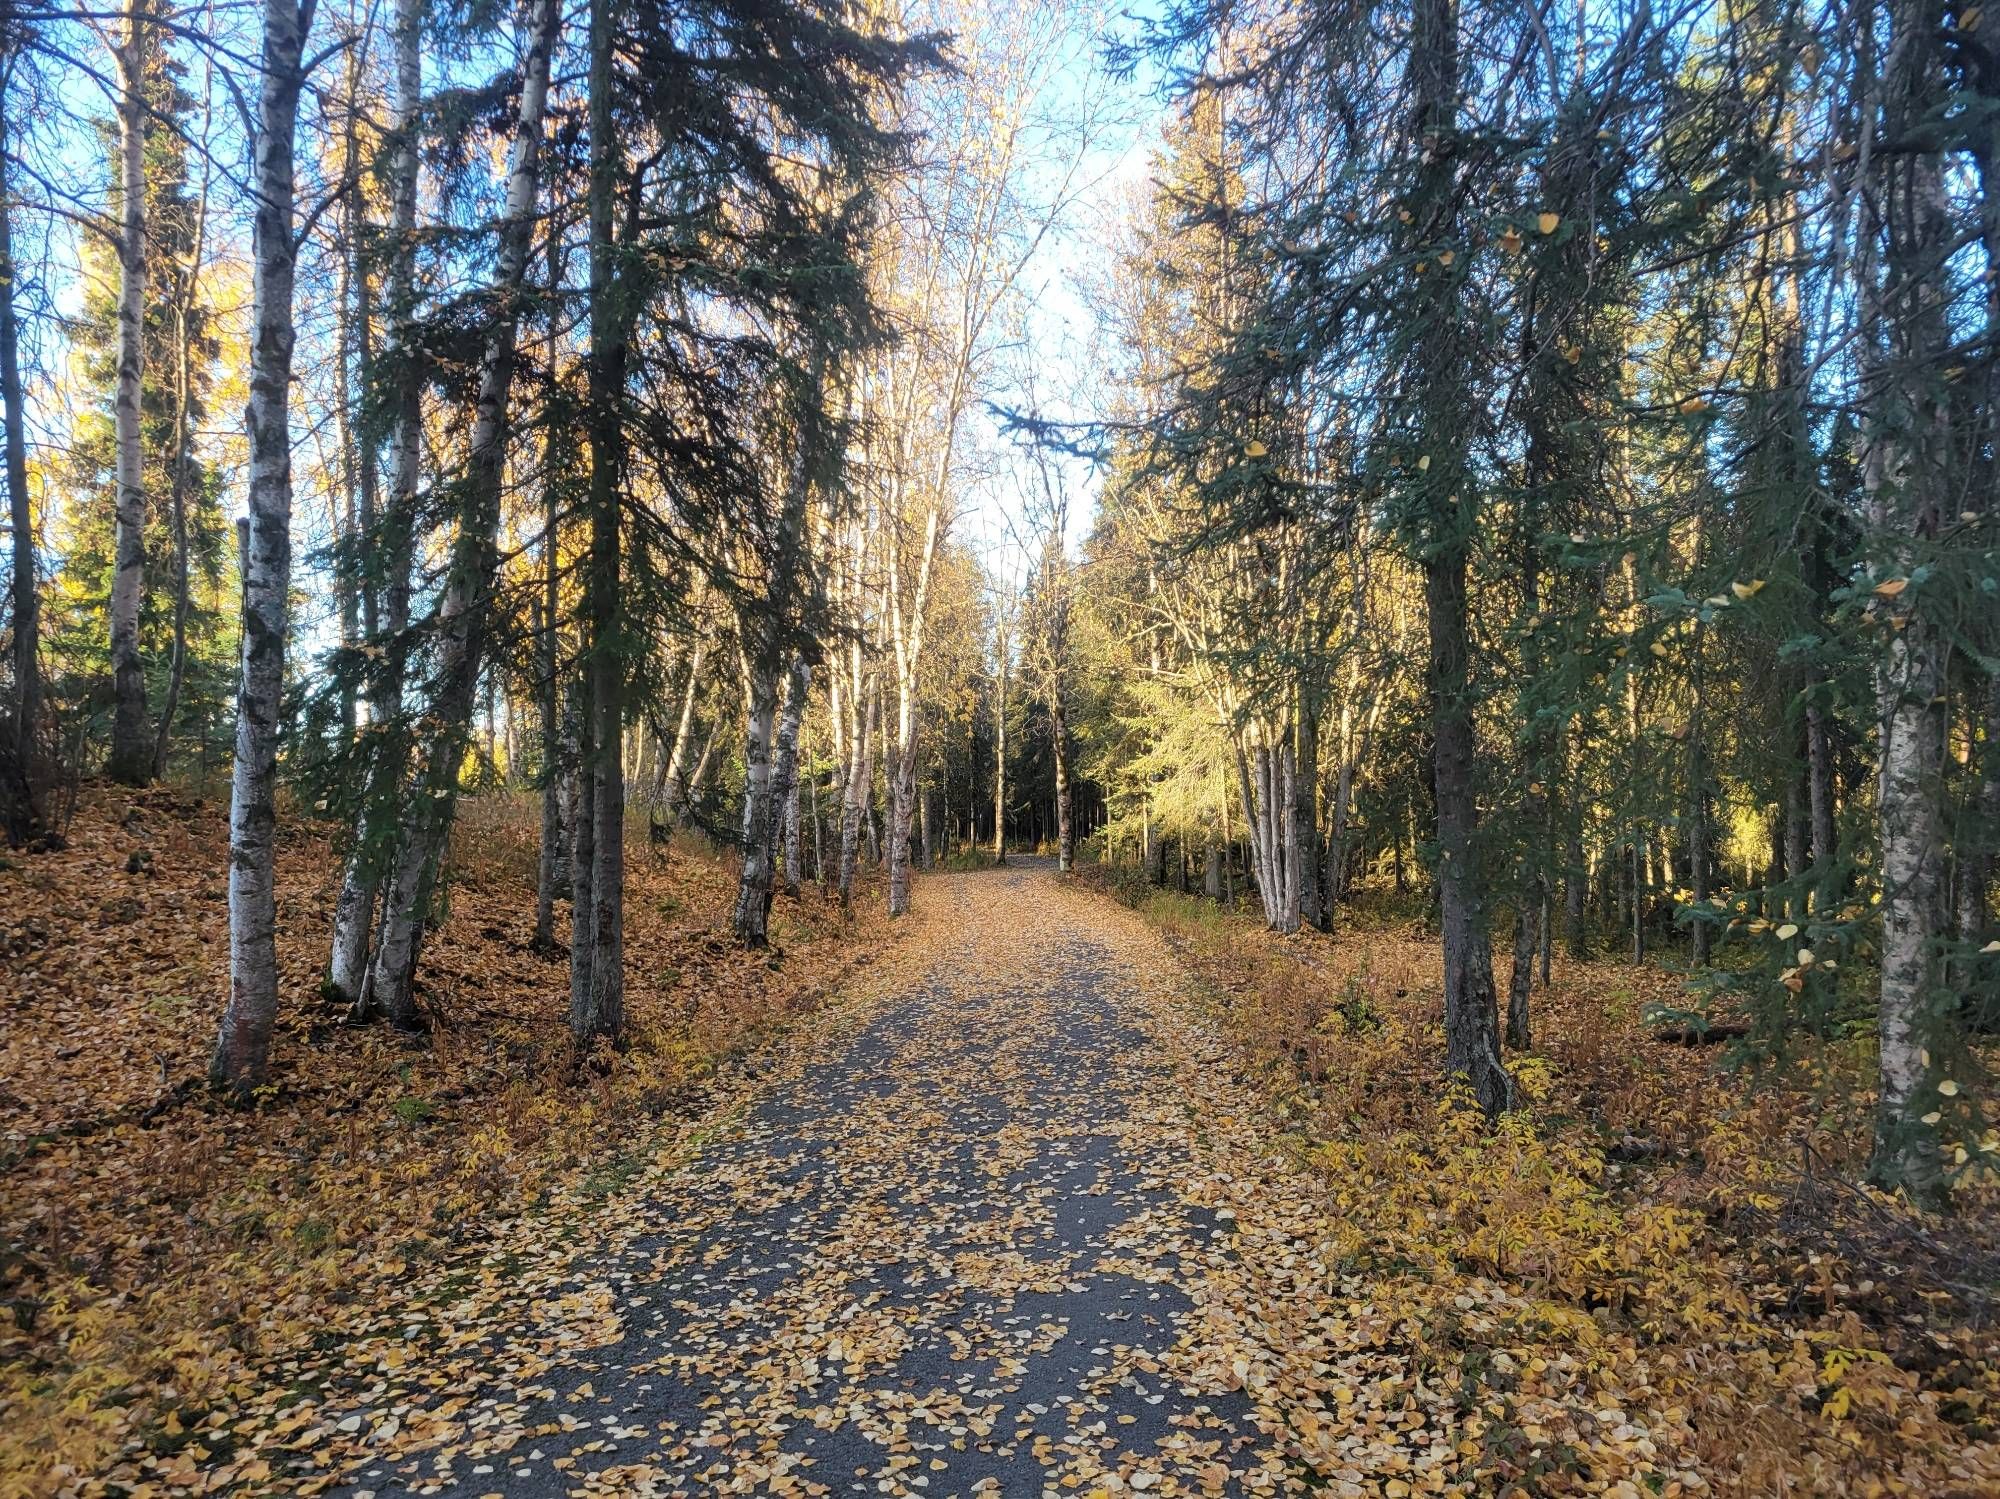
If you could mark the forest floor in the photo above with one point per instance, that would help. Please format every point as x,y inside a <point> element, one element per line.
<point>1057,1198</point>
<point>158,1250</point>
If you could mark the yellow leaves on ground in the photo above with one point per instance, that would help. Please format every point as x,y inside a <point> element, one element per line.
<point>141,1216</point>
<point>1632,1263</point>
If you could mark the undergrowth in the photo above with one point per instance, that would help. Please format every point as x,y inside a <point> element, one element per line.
<point>1645,1227</point>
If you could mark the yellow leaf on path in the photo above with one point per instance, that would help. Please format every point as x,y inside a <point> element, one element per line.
<point>1549,221</point>
<point>1948,1088</point>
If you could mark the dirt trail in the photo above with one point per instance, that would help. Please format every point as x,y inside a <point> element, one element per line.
<point>977,1248</point>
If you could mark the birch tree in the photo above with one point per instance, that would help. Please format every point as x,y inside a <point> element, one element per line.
<point>243,1047</point>
<point>1906,244</point>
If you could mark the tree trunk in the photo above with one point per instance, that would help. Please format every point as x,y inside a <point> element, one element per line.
<point>465,606</point>
<point>1906,445</point>
<point>854,800</point>
<point>1472,1049</point>
<point>1444,493</point>
<point>1000,754</point>
<point>131,760</point>
<point>785,836</point>
<point>379,823</point>
<point>548,864</point>
<point>1527,938</point>
<point>183,456</point>
<point>1315,905</point>
<point>601,1014</point>
<point>243,1046</point>
<point>19,776</point>
<point>1065,795</point>
<point>759,725</point>
<point>1819,786</point>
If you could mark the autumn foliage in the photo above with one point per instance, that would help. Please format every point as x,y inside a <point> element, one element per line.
<point>1649,1237</point>
<point>158,1247</point>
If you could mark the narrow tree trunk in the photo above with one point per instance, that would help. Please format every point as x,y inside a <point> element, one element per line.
<point>1906,443</point>
<point>601,1013</point>
<point>1315,904</point>
<point>1000,753</point>
<point>131,759</point>
<point>379,824</point>
<point>549,861</point>
<point>1065,795</point>
<point>582,867</point>
<point>243,1046</point>
<point>1527,938</point>
<point>183,457</point>
<point>798,689</point>
<point>1471,1048</point>
<point>465,606</point>
<point>901,767</point>
<point>854,801</point>
<point>19,776</point>
<point>1819,798</point>
<point>759,725</point>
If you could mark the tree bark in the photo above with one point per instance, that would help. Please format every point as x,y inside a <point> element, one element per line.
<point>1065,795</point>
<point>131,760</point>
<point>19,777</point>
<point>1000,750</point>
<point>602,1014</point>
<point>183,456</point>
<point>243,1046</point>
<point>1906,443</point>
<point>760,688</point>
<point>785,834</point>
<point>379,823</point>
<point>464,608</point>
<point>854,800</point>
<point>1315,908</point>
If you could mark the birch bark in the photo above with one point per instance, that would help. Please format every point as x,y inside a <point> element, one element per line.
<point>243,1045</point>
<point>131,760</point>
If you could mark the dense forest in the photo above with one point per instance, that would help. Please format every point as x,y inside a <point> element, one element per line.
<point>1520,477</point>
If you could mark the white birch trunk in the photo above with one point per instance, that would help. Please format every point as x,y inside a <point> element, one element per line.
<point>1907,440</point>
<point>759,718</point>
<point>854,800</point>
<point>378,825</point>
<point>242,1049</point>
<point>131,738</point>
<point>797,689</point>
